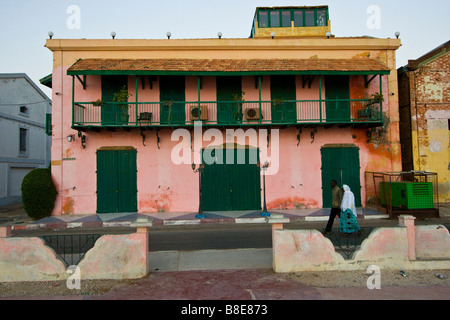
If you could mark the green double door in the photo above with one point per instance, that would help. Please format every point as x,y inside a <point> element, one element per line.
<point>172,96</point>
<point>116,181</point>
<point>342,165</point>
<point>283,95</point>
<point>337,94</point>
<point>231,187</point>
<point>112,113</point>
<point>229,89</point>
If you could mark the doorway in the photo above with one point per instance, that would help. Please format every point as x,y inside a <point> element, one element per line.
<point>116,181</point>
<point>340,164</point>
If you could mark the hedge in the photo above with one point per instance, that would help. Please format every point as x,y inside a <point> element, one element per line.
<point>38,193</point>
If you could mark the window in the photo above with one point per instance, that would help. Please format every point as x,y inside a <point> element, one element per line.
<point>48,124</point>
<point>263,19</point>
<point>298,18</point>
<point>285,18</point>
<point>309,18</point>
<point>24,111</point>
<point>275,19</point>
<point>313,17</point>
<point>23,141</point>
<point>321,18</point>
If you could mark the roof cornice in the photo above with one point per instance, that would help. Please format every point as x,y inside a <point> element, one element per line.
<point>222,44</point>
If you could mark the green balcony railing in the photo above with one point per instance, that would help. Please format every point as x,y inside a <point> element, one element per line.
<point>227,113</point>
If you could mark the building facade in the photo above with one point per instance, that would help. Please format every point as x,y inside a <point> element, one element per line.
<point>24,145</point>
<point>134,119</point>
<point>424,88</point>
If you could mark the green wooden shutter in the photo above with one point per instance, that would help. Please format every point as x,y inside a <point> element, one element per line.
<point>172,96</point>
<point>116,181</point>
<point>228,187</point>
<point>228,88</point>
<point>111,113</point>
<point>283,94</point>
<point>337,88</point>
<point>107,197</point>
<point>127,182</point>
<point>48,124</point>
<point>342,165</point>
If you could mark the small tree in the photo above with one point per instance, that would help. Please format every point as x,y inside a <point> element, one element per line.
<point>38,193</point>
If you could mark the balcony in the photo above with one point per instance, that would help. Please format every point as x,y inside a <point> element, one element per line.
<point>171,114</point>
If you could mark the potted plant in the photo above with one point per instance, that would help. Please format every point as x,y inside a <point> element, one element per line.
<point>122,109</point>
<point>238,97</point>
<point>97,103</point>
<point>369,111</point>
<point>168,104</point>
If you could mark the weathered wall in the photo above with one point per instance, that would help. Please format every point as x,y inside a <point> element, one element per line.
<point>166,187</point>
<point>28,259</point>
<point>117,257</point>
<point>113,257</point>
<point>430,111</point>
<point>432,242</point>
<point>388,248</point>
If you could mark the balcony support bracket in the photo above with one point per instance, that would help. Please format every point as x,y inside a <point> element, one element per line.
<point>83,82</point>
<point>368,81</point>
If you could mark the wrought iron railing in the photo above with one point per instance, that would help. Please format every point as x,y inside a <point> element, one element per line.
<point>347,244</point>
<point>228,113</point>
<point>71,248</point>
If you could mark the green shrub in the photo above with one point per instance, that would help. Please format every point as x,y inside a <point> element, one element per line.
<point>38,193</point>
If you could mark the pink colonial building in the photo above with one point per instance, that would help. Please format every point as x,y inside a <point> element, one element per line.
<point>130,117</point>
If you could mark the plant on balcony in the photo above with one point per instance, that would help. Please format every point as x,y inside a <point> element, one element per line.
<point>238,98</point>
<point>277,102</point>
<point>370,111</point>
<point>122,109</point>
<point>168,104</point>
<point>97,103</point>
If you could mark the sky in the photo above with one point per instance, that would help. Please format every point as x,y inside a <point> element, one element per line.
<point>423,25</point>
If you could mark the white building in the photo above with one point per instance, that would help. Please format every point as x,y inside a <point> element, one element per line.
<point>24,143</point>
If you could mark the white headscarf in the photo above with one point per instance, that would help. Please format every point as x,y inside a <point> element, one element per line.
<point>348,201</point>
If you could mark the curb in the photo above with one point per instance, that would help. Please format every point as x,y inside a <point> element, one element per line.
<point>173,222</point>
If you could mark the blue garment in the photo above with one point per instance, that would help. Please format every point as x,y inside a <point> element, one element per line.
<point>348,222</point>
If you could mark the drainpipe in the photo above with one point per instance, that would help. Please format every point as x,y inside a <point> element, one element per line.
<point>417,118</point>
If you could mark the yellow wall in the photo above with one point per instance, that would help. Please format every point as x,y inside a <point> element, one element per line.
<point>292,31</point>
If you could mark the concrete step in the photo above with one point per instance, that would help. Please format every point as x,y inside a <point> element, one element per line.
<point>233,259</point>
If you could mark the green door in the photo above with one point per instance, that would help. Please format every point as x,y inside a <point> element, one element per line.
<point>113,114</point>
<point>116,181</point>
<point>342,165</point>
<point>337,94</point>
<point>283,95</point>
<point>231,187</point>
<point>172,97</point>
<point>229,89</point>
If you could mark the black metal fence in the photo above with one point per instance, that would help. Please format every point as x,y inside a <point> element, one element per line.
<point>71,248</point>
<point>397,193</point>
<point>347,244</point>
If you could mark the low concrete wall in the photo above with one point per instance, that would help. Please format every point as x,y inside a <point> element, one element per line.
<point>303,250</point>
<point>432,242</point>
<point>388,248</point>
<point>28,259</point>
<point>117,257</point>
<point>113,257</point>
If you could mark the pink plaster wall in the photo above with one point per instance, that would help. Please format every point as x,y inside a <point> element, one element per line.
<point>432,242</point>
<point>163,186</point>
<point>117,257</point>
<point>28,259</point>
<point>302,250</point>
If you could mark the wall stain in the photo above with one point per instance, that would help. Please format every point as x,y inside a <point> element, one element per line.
<point>292,203</point>
<point>68,206</point>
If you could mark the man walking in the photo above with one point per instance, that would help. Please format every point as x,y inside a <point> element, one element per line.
<point>336,205</point>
